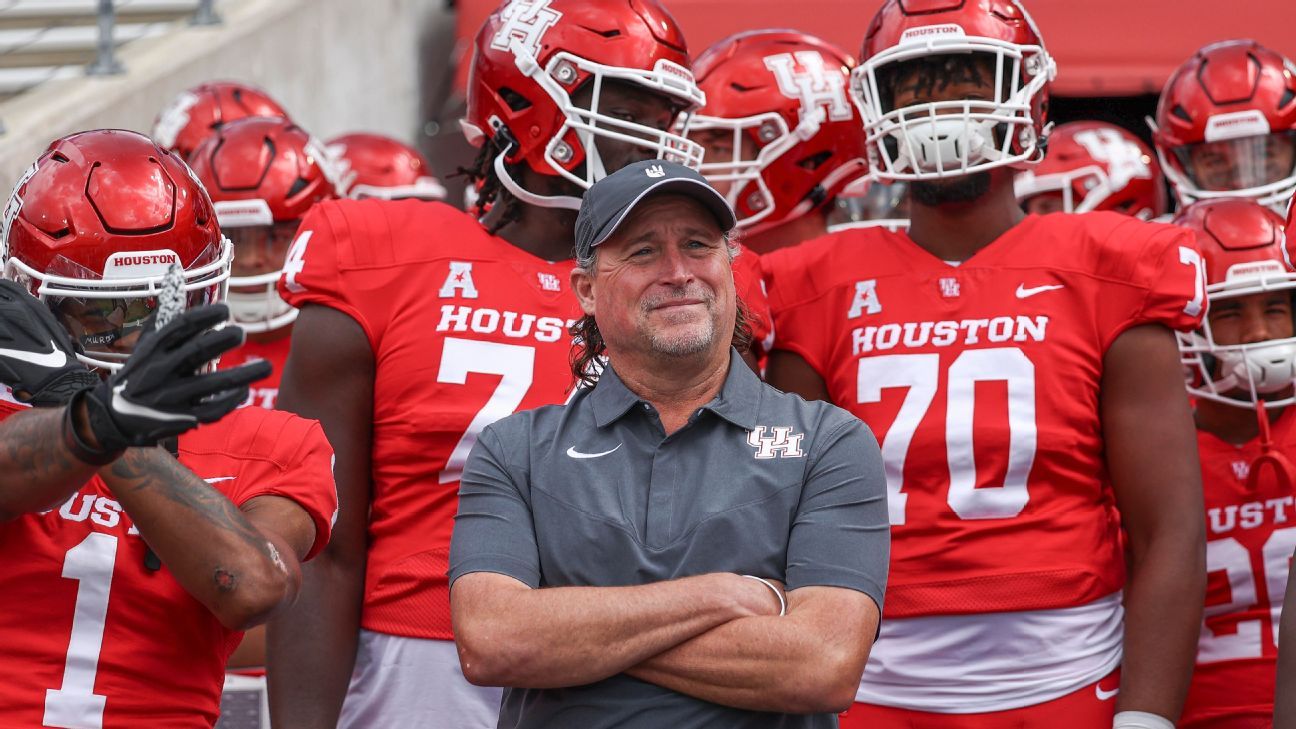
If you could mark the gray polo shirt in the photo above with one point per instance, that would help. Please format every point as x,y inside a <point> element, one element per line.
<point>594,493</point>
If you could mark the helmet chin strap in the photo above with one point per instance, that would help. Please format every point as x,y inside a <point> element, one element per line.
<point>564,202</point>
<point>1269,456</point>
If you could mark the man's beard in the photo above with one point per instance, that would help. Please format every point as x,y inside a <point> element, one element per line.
<point>965,189</point>
<point>694,342</point>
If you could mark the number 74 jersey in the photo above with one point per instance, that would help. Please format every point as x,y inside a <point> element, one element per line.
<point>981,381</point>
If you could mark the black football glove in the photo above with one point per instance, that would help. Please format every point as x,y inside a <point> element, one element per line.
<point>160,392</point>
<point>37,359</point>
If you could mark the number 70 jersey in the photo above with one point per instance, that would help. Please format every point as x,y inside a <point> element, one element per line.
<point>982,381</point>
<point>465,329</point>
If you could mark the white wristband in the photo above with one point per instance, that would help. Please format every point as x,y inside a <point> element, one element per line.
<point>1140,720</point>
<point>775,590</point>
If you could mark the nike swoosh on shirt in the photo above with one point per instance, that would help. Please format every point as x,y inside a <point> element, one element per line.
<point>1023,292</point>
<point>218,479</point>
<point>573,453</point>
<point>54,358</point>
<point>1104,695</point>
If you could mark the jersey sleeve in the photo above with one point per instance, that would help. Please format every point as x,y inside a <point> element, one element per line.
<point>796,302</point>
<point>1165,277</point>
<point>751,291</point>
<point>314,270</point>
<point>298,466</point>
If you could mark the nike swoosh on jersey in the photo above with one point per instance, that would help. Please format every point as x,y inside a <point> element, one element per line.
<point>1023,292</point>
<point>54,358</point>
<point>1104,695</point>
<point>218,479</point>
<point>573,453</point>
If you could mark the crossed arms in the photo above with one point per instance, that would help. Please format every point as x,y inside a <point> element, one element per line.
<point>716,637</point>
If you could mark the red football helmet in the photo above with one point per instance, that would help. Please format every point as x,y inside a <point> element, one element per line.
<point>93,226</point>
<point>1096,166</point>
<point>1242,252</point>
<point>951,138</point>
<point>263,174</point>
<point>1226,125</point>
<point>532,57</point>
<point>197,112</point>
<point>779,100</point>
<point>373,165</point>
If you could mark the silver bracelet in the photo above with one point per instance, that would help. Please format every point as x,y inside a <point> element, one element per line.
<point>775,590</point>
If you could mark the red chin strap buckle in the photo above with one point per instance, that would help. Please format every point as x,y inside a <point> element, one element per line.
<point>1269,456</point>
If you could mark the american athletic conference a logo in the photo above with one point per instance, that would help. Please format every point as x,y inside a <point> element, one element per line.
<point>820,91</point>
<point>526,21</point>
<point>778,441</point>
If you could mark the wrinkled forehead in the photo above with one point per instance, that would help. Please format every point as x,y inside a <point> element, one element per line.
<point>666,216</point>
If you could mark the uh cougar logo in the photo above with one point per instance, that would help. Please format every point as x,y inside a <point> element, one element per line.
<point>776,441</point>
<point>822,92</point>
<point>527,21</point>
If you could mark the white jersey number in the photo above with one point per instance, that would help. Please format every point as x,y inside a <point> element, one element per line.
<point>1229,556</point>
<point>515,365</point>
<point>75,704</point>
<point>920,373</point>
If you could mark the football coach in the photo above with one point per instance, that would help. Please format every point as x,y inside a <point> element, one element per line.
<point>620,561</point>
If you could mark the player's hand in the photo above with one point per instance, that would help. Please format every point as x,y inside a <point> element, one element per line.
<point>37,358</point>
<point>160,392</point>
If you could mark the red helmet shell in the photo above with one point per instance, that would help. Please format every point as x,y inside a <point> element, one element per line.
<point>380,166</point>
<point>636,34</point>
<point>805,81</point>
<point>898,20</point>
<point>1228,90</point>
<point>1232,76</point>
<point>264,159</point>
<point>1233,233</point>
<point>195,113</point>
<point>1098,166</point>
<point>105,192</point>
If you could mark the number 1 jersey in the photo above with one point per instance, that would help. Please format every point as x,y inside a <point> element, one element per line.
<point>982,381</point>
<point>93,634</point>
<point>465,328</point>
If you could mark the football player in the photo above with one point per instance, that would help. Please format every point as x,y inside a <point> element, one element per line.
<point>127,586</point>
<point>781,135</point>
<point>195,113</point>
<point>263,174</point>
<point>1242,360</point>
<point>377,166</point>
<point>1094,166</point>
<point>421,324</point>
<point>1226,125</point>
<point>1019,372</point>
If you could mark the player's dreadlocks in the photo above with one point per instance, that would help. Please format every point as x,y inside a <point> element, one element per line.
<point>587,341</point>
<point>490,191</point>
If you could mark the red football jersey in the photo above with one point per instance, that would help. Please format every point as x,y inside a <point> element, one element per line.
<point>1250,538</point>
<point>91,636</point>
<point>465,328</point>
<point>265,392</point>
<point>981,381</point>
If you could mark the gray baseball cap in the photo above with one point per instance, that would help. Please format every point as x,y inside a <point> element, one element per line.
<point>609,202</point>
